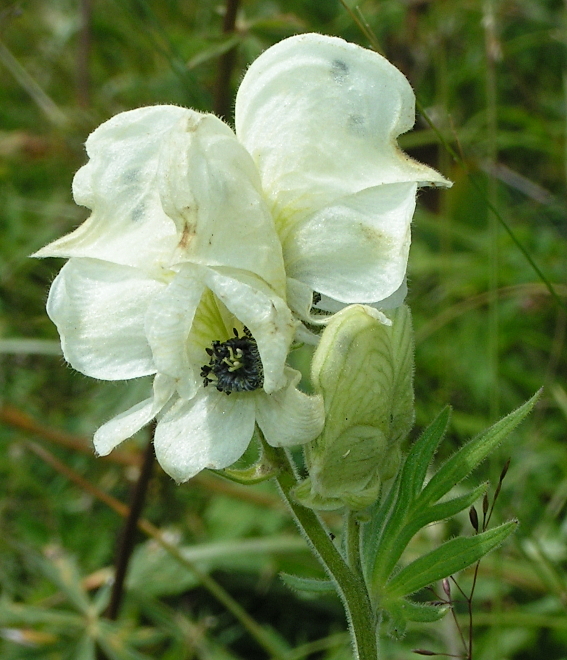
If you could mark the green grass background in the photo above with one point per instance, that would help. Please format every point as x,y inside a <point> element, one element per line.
<point>492,77</point>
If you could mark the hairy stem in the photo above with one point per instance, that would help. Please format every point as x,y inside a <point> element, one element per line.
<point>349,584</point>
<point>352,531</point>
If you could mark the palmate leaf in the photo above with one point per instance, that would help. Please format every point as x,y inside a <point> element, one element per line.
<point>451,557</point>
<point>403,610</point>
<point>408,508</point>
<point>85,649</point>
<point>393,514</point>
<point>422,518</point>
<point>422,452</point>
<point>18,614</point>
<point>115,644</point>
<point>393,509</point>
<point>466,459</point>
<point>63,572</point>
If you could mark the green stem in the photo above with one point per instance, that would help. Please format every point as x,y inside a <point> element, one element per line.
<point>352,531</point>
<point>350,585</point>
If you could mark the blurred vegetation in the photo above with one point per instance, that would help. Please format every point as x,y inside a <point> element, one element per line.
<point>492,77</point>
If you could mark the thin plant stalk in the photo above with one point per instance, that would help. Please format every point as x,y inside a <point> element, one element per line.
<point>84,54</point>
<point>492,49</point>
<point>349,584</point>
<point>127,538</point>
<point>226,63</point>
<point>263,639</point>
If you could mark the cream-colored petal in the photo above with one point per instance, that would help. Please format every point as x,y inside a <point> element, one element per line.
<point>356,249</point>
<point>124,426</point>
<point>320,117</point>
<point>120,183</point>
<point>212,430</point>
<point>168,324</point>
<point>290,417</point>
<point>265,314</point>
<point>99,309</point>
<point>211,188</point>
<point>394,300</point>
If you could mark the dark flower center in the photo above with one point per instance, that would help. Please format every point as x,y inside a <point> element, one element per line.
<point>235,364</point>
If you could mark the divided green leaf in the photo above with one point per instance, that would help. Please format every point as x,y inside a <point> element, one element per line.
<point>452,557</point>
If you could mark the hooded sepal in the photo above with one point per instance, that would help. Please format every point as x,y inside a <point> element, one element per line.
<point>363,367</point>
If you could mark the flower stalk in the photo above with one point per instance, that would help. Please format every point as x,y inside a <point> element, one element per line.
<point>129,530</point>
<point>348,582</point>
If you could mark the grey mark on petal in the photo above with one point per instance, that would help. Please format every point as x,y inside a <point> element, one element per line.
<point>139,212</point>
<point>339,71</point>
<point>130,176</point>
<point>355,125</point>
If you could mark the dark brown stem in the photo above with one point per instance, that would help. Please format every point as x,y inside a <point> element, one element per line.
<point>226,63</point>
<point>256,631</point>
<point>128,533</point>
<point>83,54</point>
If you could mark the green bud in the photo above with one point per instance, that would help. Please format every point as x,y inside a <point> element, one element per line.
<point>363,367</point>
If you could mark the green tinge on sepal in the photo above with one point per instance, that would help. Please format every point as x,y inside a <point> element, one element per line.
<point>401,611</point>
<point>248,476</point>
<point>262,470</point>
<point>451,557</point>
<point>306,494</point>
<point>363,367</point>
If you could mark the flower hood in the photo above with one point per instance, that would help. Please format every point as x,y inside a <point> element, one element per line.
<point>320,118</point>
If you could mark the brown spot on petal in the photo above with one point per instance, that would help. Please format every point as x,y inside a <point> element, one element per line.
<point>192,123</point>
<point>373,235</point>
<point>187,233</point>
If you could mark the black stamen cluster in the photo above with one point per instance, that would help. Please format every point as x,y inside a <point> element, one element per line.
<point>235,364</point>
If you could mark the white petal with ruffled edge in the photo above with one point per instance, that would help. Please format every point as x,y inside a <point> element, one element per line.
<point>290,417</point>
<point>355,249</point>
<point>320,117</point>
<point>99,309</point>
<point>168,323</point>
<point>124,426</point>
<point>212,430</point>
<point>300,300</point>
<point>211,188</point>
<point>394,300</point>
<point>265,314</point>
<point>120,184</point>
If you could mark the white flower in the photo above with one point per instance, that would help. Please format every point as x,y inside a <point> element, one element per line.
<point>179,273</point>
<point>197,234</point>
<point>320,118</point>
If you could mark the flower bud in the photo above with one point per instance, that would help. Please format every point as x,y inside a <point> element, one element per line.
<point>363,367</point>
